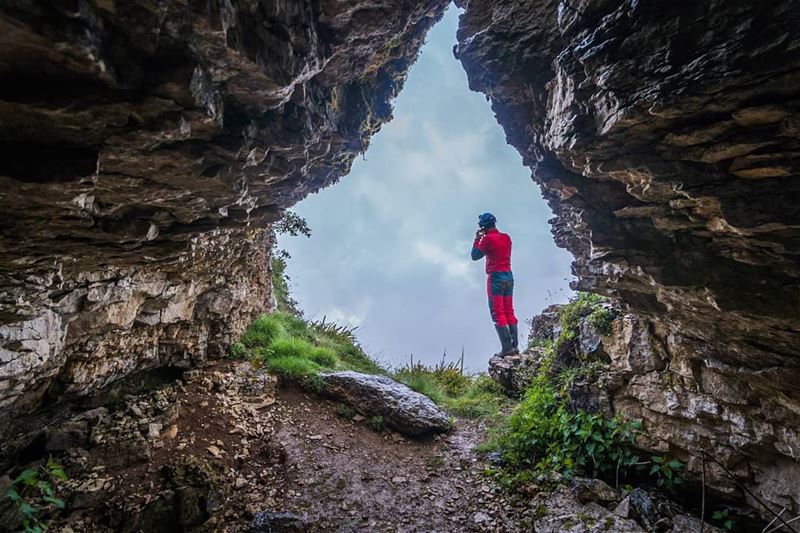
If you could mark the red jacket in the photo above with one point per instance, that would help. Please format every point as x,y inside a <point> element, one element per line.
<point>496,246</point>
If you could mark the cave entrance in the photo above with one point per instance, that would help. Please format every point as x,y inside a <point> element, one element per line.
<point>395,234</point>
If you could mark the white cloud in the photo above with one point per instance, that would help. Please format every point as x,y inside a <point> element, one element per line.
<point>454,264</point>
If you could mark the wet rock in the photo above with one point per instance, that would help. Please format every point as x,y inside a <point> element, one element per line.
<point>406,411</point>
<point>590,338</point>
<point>278,522</point>
<point>514,372</point>
<point>594,490</point>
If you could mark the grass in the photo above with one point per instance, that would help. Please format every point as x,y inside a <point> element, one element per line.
<point>298,350</point>
<point>459,394</point>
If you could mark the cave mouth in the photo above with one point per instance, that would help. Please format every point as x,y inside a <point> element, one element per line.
<point>396,232</point>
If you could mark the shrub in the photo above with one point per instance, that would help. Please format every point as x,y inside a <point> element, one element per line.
<point>667,471</point>
<point>543,435</point>
<point>344,411</point>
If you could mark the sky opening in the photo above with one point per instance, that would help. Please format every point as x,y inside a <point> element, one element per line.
<point>389,251</point>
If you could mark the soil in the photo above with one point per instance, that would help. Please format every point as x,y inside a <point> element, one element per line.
<point>346,477</point>
<point>251,447</point>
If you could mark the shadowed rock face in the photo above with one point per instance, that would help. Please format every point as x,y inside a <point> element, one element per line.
<point>145,148</point>
<point>665,137</point>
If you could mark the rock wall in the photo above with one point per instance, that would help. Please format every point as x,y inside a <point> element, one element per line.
<point>665,137</point>
<point>145,148</point>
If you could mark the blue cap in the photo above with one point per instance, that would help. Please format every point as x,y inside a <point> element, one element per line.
<point>486,220</point>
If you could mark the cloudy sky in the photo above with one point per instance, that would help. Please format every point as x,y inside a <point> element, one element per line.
<point>390,246</point>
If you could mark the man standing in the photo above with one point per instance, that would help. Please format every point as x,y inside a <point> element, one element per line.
<point>496,247</point>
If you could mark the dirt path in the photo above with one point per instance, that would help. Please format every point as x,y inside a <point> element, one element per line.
<point>222,446</point>
<point>345,477</point>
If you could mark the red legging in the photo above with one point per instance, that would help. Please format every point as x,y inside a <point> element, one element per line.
<point>500,289</point>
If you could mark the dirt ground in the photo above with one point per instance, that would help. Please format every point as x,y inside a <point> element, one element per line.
<point>212,450</point>
<point>346,477</point>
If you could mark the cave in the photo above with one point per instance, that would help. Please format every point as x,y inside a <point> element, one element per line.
<point>147,149</point>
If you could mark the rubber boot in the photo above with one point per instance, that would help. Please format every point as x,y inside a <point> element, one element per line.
<point>514,332</point>
<point>505,340</point>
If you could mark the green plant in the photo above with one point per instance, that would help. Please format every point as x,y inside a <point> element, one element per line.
<point>543,435</point>
<point>667,471</point>
<point>293,367</point>
<point>237,350</point>
<point>34,493</point>
<point>601,319</point>
<point>261,332</point>
<point>375,423</point>
<point>344,411</point>
<point>424,384</point>
<point>324,357</point>
<point>724,519</point>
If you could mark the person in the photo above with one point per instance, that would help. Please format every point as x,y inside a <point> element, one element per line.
<point>496,247</point>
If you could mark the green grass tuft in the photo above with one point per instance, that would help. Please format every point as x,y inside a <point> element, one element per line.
<point>261,332</point>
<point>293,367</point>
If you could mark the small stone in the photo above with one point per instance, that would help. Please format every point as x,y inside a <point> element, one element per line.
<point>213,450</point>
<point>399,479</point>
<point>481,518</point>
<point>153,430</point>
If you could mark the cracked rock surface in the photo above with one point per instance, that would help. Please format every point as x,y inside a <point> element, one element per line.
<point>145,148</point>
<point>665,138</point>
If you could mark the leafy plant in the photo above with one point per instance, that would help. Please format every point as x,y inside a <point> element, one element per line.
<point>34,492</point>
<point>724,519</point>
<point>544,435</point>
<point>667,471</point>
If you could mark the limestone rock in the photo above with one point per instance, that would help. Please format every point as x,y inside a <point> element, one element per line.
<point>514,372</point>
<point>403,409</point>
<point>137,198</point>
<point>664,136</point>
<point>593,490</point>
<point>562,513</point>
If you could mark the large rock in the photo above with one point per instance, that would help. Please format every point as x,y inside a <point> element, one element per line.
<point>514,372</point>
<point>135,199</point>
<point>403,409</point>
<point>665,137</point>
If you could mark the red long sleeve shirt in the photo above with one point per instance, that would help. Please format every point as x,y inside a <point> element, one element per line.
<point>496,246</point>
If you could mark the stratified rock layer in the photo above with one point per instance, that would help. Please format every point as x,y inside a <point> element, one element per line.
<point>666,138</point>
<point>145,147</point>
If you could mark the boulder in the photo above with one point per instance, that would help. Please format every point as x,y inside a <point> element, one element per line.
<point>514,372</point>
<point>409,412</point>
